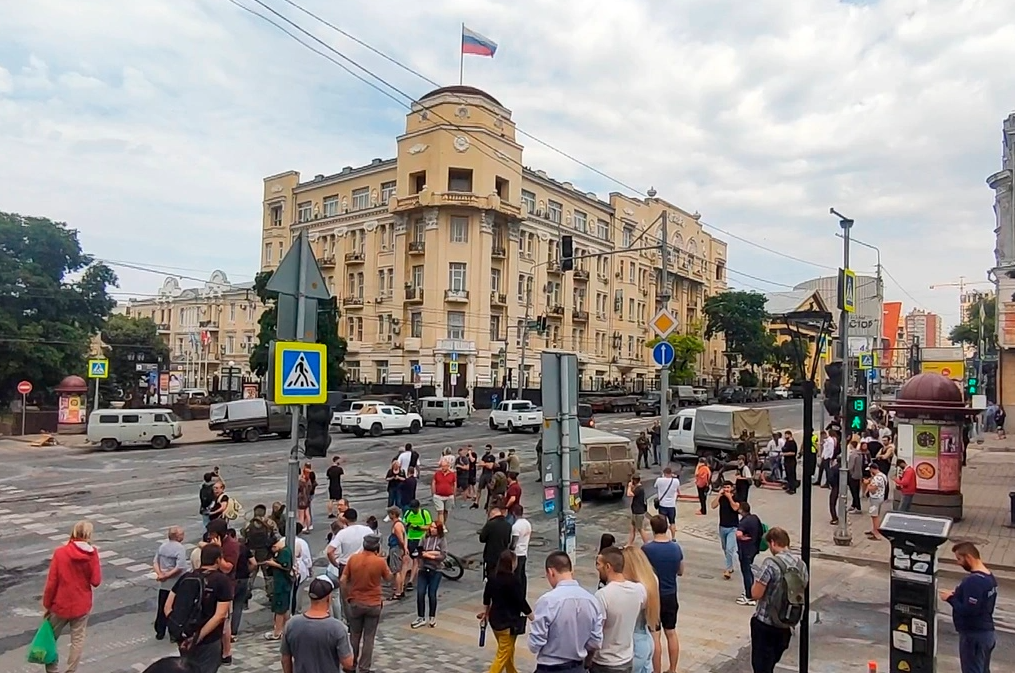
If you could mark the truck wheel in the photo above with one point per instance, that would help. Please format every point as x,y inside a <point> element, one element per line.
<point>414,428</point>
<point>493,426</point>
<point>638,414</point>
<point>285,435</point>
<point>159,442</point>
<point>358,432</point>
<point>439,422</point>
<point>510,426</point>
<point>376,429</point>
<point>236,436</point>
<point>458,423</point>
<point>109,444</point>
<point>251,434</point>
<point>536,430</point>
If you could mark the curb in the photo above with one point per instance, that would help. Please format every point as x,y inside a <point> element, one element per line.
<point>946,567</point>
<point>87,445</point>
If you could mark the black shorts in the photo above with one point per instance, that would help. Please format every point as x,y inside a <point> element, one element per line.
<point>668,608</point>
<point>413,546</point>
<point>462,482</point>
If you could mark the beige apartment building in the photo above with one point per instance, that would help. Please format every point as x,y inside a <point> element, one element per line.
<point>208,328</point>
<point>441,256</point>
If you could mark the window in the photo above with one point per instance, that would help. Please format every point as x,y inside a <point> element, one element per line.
<point>230,344</point>
<point>419,231</point>
<point>459,229</point>
<point>109,418</point>
<point>520,332</point>
<point>350,285</point>
<point>352,370</point>
<point>359,240</point>
<point>628,240</point>
<point>456,324</point>
<point>459,180</point>
<point>503,187</point>
<point>305,211</point>
<point>331,205</point>
<point>361,198</point>
<point>384,327</point>
<point>456,278</point>
<point>130,418</point>
<point>416,324</point>
<point>720,271</point>
<point>355,327</point>
<point>631,270</point>
<point>387,191</point>
<point>276,215</point>
<point>417,276</point>
<point>603,230</point>
<point>580,221</point>
<point>232,312</point>
<point>687,423</point>
<point>522,295</point>
<point>359,284</point>
<point>553,211</point>
<point>528,201</point>
<point>267,253</point>
<point>417,181</point>
<point>495,334</point>
<point>495,280</point>
<point>391,280</point>
<point>630,310</point>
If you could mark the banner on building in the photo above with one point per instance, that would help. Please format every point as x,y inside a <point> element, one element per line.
<point>953,369</point>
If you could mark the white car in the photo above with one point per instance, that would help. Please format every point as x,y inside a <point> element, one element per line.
<point>375,420</point>
<point>782,393</point>
<point>516,415</point>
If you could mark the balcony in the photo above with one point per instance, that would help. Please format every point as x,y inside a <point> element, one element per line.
<point>498,299</point>
<point>412,344</point>
<point>553,266</point>
<point>581,274</point>
<point>352,302</point>
<point>413,295</point>
<point>163,328</point>
<point>417,247</point>
<point>456,296</point>
<point>429,199</point>
<point>498,252</point>
<point>209,324</point>
<point>326,261</point>
<point>355,257</point>
<point>555,311</point>
<point>578,315</point>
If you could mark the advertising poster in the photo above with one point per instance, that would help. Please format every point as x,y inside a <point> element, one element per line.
<point>950,460</point>
<point>250,391</point>
<point>925,456</point>
<point>955,370</point>
<point>69,411</point>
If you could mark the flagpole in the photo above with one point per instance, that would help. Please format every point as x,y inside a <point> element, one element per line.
<point>461,57</point>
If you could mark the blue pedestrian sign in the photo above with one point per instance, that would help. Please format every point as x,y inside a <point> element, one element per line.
<point>417,368</point>
<point>300,373</point>
<point>663,353</point>
<point>98,368</point>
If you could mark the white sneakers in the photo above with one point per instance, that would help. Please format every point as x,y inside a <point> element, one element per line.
<point>744,600</point>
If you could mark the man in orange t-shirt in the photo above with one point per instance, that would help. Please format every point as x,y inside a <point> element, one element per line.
<point>361,583</point>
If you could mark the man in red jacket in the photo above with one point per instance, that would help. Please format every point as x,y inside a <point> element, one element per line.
<point>906,483</point>
<point>73,573</point>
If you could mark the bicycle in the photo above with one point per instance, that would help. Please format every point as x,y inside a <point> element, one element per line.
<point>452,567</point>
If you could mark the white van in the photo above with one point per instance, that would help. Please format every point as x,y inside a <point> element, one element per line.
<point>444,410</point>
<point>113,428</point>
<point>681,432</point>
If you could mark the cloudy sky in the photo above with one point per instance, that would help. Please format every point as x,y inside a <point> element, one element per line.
<point>149,124</point>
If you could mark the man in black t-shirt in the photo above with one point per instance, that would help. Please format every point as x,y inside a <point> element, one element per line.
<point>203,650</point>
<point>639,507</point>
<point>487,464</point>
<point>334,475</point>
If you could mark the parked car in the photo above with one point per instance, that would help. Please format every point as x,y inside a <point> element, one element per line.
<point>444,410</point>
<point>345,419</point>
<point>585,417</point>
<point>713,431</point>
<point>796,390</point>
<point>377,419</point>
<point>732,394</point>
<point>516,415</point>
<point>113,428</point>
<point>247,420</point>
<point>781,393</point>
<point>649,404</point>
<point>700,396</point>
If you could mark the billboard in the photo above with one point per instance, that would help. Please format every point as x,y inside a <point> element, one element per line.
<point>953,369</point>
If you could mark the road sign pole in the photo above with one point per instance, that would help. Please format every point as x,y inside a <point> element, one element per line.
<point>664,372</point>
<point>24,409</point>
<point>96,402</point>
<point>292,481</point>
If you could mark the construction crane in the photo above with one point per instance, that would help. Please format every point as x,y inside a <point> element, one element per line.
<point>962,284</point>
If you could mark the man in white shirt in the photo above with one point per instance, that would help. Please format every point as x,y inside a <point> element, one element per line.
<point>304,563</point>
<point>667,490</point>
<point>773,450</point>
<point>827,454</point>
<point>405,458</point>
<point>343,545</point>
<point>521,533</point>
<point>622,602</point>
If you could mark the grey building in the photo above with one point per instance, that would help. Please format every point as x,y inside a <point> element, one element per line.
<point>866,321</point>
<point>1003,273</point>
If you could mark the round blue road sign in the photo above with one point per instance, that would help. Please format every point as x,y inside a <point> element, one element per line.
<point>663,353</point>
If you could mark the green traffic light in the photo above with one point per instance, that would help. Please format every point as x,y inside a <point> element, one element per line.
<point>856,423</point>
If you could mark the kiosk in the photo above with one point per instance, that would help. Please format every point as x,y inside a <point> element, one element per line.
<point>915,540</point>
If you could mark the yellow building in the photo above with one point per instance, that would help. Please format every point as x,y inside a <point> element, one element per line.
<point>439,255</point>
<point>207,328</point>
<point>806,337</point>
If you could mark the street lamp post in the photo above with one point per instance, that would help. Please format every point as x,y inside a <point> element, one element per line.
<point>841,536</point>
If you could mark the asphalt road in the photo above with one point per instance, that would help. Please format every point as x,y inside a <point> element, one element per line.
<point>133,496</point>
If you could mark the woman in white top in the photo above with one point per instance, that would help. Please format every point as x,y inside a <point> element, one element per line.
<point>646,632</point>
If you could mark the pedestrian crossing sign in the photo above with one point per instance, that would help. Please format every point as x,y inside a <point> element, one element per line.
<point>98,368</point>
<point>300,373</point>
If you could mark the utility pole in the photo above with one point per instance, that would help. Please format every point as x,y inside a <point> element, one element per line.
<point>523,335</point>
<point>842,537</point>
<point>663,295</point>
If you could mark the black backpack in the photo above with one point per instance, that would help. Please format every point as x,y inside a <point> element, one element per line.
<point>184,620</point>
<point>786,602</point>
<point>207,496</point>
<point>256,535</point>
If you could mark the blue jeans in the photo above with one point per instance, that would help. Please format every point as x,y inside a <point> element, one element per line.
<point>426,587</point>
<point>975,650</point>
<point>728,542</point>
<point>746,569</point>
<point>393,499</point>
<point>643,649</point>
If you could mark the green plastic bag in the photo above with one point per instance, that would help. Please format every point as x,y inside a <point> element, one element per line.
<point>43,647</point>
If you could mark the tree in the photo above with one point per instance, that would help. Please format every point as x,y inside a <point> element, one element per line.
<point>46,319</point>
<point>327,332</point>
<point>131,341</point>
<point>785,358</point>
<point>686,349</point>
<point>740,318</point>
<point>968,331</point>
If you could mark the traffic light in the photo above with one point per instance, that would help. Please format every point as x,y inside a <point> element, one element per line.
<point>502,358</point>
<point>832,389</point>
<point>566,253</point>
<point>856,413</point>
<point>972,385</point>
<point>318,430</point>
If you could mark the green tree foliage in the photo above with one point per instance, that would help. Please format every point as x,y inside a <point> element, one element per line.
<point>968,331</point>
<point>686,349</point>
<point>327,333</point>
<point>740,318</point>
<point>130,341</point>
<point>53,298</point>
<point>785,358</point>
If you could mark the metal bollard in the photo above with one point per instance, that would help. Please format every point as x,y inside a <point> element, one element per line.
<point>872,667</point>
<point>1011,515</point>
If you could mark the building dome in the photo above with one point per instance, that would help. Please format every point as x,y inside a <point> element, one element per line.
<point>460,90</point>
<point>72,384</point>
<point>930,388</point>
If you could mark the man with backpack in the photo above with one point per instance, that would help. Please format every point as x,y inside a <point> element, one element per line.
<point>259,534</point>
<point>196,610</point>
<point>779,589</point>
<point>207,496</point>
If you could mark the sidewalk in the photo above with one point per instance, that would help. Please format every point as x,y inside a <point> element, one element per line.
<point>986,481</point>
<point>194,432</point>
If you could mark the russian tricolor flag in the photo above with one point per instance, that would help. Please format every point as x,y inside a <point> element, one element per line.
<point>474,43</point>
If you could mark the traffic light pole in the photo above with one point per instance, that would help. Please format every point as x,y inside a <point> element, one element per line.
<point>664,372</point>
<point>841,537</point>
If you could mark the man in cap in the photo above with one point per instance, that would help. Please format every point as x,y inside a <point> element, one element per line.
<point>361,582</point>
<point>311,640</point>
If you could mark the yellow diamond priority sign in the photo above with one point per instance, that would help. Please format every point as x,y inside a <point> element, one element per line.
<point>663,323</point>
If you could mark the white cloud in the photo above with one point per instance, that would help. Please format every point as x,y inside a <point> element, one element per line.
<point>150,125</point>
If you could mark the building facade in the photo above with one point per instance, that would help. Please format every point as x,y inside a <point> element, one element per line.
<point>1003,273</point>
<point>208,329</point>
<point>443,256</point>
<point>925,328</point>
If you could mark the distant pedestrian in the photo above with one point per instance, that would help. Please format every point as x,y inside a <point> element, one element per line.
<point>495,537</point>
<point>316,642</point>
<point>646,631</point>
<point>303,487</point>
<point>361,586</point>
<point>472,493</point>
<point>433,551</point>
<point>343,545</point>
<point>827,458</point>
<point>514,463</point>
<point>311,477</point>
<point>790,450</point>
<point>973,603</point>
<point>667,560</point>
<point>394,477</point>
<point>210,592</point>
<point>832,474</point>
<point>169,563</point>
<point>567,622</point>
<point>513,497</point>
<point>260,534</point>
<point>220,505</point>
<point>999,417</point>
<point>654,435</point>
<point>667,490</point>
<point>399,560</point>
<point>639,508</point>
<point>702,481</point>
<point>74,573</point>
<point>462,474</point>
<point>417,522</point>
<point>245,566</point>
<point>854,478</point>
<point>521,536</point>
<point>906,484</point>
<point>442,486</point>
<point>505,609</point>
<point>407,489</point>
<point>303,563</point>
<point>334,474</point>
<point>749,533</point>
<point>206,496</point>
<point>729,519</point>
<point>744,479</point>
<point>643,444</point>
<point>779,590</point>
<point>622,602</point>
<point>404,458</point>
<point>281,565</point>
<point>487,465</point>
<point>877,489</point>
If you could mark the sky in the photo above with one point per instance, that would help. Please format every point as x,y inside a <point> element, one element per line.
<point>149,125</point>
